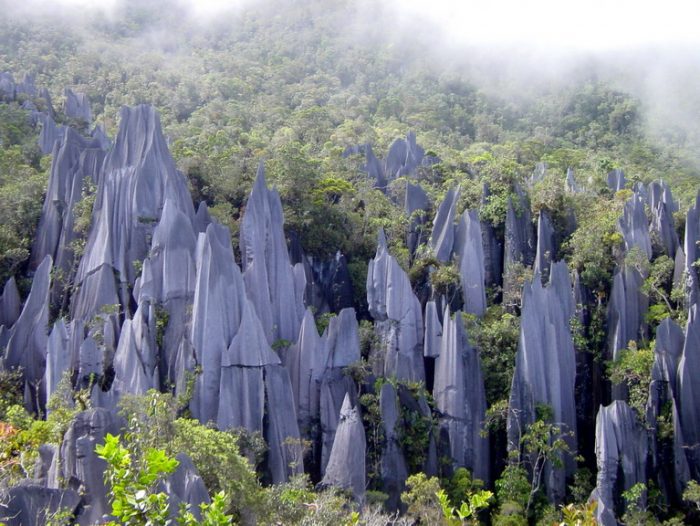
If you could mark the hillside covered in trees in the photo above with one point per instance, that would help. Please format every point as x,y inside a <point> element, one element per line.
<point>291,263</point>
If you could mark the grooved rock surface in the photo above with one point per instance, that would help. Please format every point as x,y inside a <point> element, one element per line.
<point>442,237</point>
<point>626,310</point>
<point>688,392</point>
<point>460,397</point>
<point>269,277</point>
<point>77,106</point>
<point>545,367</point>
<point>346,464</point>
<point>397,315</point>
<point>634,227</point>
<point>31,505</point>
<point>10,303</point>
<point>394,470</point>
<point>546,245</point>
<point>472,272</point>
<point>621,451</point>
<point>26,347</point>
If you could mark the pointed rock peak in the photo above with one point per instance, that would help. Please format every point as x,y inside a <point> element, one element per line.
<point>10,303</point>
<point>308,325</point>
<point>202,218</point>
<point>260,182</point>
<point>347,410</point>
<point>139,134</point>
<point>381,241</point>
<point>249,348</point>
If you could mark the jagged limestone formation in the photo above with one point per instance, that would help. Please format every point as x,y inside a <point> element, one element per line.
<point>10,304</point>
<point>76,162</point>
<point>346,464</point>
<point>662,228</point>
<point>443,234</point>
<point>33,505</point>
<point>138,176</point>
<point>668,461</point>
<point>472,273</point>
<point>688,392</point>
<point>634,227</point>
<point>460,397</point>
<point>26,347</point>
<point>8,90</point>
<point>274,288</point>
<point>571,184</point>
<point>397,316</point>
<point>185,487</point>
<point>77,106</point>
<point>305,362</point>
<point>219,300</point>
<point>167,283</point>
<point>545,367</point>
<point>51,134</point>
<point>621,451</point>
<point>81,468</point>
<point>686,274</point>
<point>616,180</point>
<point>519,246</point>
<point>433,331</point>
<point>626,310</point>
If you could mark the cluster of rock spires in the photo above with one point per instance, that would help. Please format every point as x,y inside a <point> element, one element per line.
<point>157,300</point>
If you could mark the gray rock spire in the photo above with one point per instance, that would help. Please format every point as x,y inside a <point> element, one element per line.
<point>460,397</point>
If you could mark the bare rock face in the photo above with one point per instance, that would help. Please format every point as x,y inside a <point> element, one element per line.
<point>404,156</point>
<point>219,300</point>
<point>397,315</point>
<point>519,246</point>
<point>139,175</point>
<point>460,397</point>
<point>571,184</point>
<point>616,180</point>
<point>442,237</point>
<point>77,106</point>
<point>433,331</point>
<point>50,135</point>
<point>621,453</point>
<point>10,303</point>
<point>545,367</point>
<point>662,228</point>
<point>668,461</point>
<point>76,162</point>
<point>81,468</point>
<point>270,281</point>
<point>305,362</point>
<point>688,392</point>
<point>634,227</point>
<point>626,310</point>
<point>33,505</point>
<point>185,487</point>
<point>472,271</point>
<point>346,465</point>
<point>686,271</point>
<point>26,347</point>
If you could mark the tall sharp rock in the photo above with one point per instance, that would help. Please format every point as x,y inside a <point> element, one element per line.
<point>545,367</point>
<point>277,292</point>
<point>460,397</point>
<point>346,465</point>
<point>621,455</point>
<point>634,226</point>
<point>397,316</point>
<point>662,228</point>
<point>219,300</point>
<point>442,237</point>
<point>688,392</point>
<point>626,310</point>
<point>26,347</point>
<point>686,274</point>
<point>138,176</point>
<point>472,270</point>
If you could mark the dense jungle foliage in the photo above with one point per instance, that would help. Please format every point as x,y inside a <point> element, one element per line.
<point>293,84</point>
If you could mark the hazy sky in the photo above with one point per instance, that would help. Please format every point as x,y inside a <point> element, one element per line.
<point>562,24</point>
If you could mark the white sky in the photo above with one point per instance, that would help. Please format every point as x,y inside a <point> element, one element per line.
<point>564,24</point>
